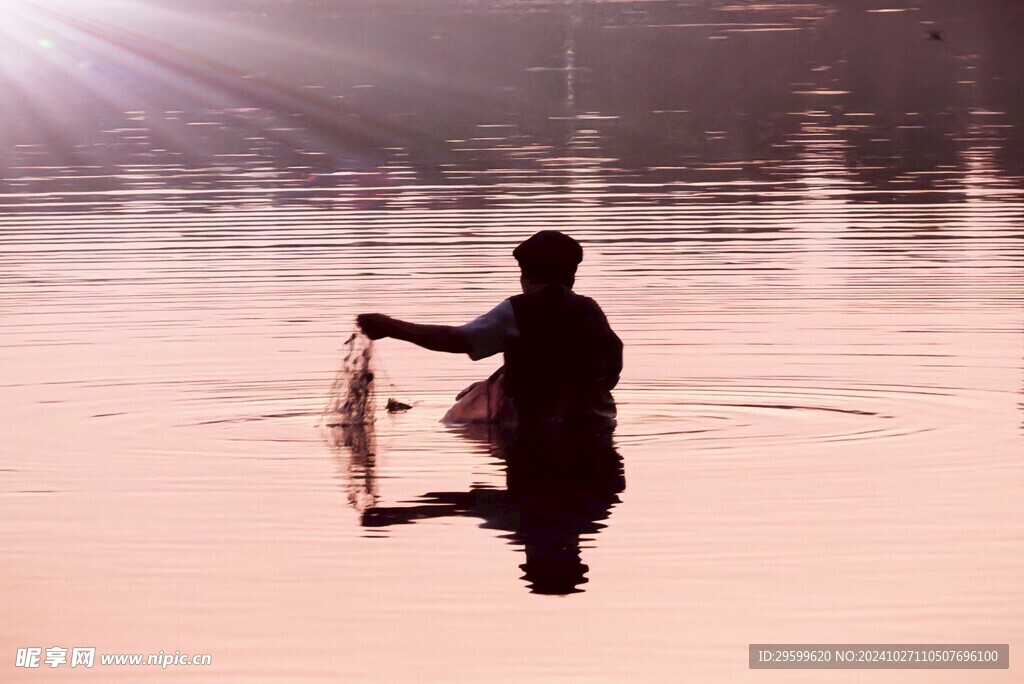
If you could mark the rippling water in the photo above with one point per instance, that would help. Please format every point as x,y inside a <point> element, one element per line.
<point>820,413</point>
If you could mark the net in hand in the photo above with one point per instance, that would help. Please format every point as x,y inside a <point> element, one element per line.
<point>350,402</point>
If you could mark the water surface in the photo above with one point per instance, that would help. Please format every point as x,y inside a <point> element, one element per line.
<point>820,413</point>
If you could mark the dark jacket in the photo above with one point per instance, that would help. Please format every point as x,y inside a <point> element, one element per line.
<point>562,367</point>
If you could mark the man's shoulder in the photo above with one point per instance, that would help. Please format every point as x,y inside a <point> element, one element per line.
<point>489,333</point>
<point>556,301</point>
<point>554,293</point>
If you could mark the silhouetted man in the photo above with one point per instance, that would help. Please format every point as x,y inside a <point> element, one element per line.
<point>562,359</point>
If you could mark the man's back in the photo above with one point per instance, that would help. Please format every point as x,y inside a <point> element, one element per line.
<point>565,361</point>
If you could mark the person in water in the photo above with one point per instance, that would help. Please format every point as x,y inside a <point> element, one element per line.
<point>561,357</point>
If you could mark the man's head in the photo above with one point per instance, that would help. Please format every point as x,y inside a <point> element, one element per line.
<point>549,257</point>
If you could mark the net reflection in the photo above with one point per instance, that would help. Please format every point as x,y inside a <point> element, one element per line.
<point>354,448</point>
<point>558,491</point>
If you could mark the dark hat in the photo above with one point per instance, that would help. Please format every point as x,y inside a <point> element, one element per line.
<point>549,257</point>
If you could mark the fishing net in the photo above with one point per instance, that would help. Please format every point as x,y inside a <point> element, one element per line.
<point>350,402</point>
<point>348,419</point>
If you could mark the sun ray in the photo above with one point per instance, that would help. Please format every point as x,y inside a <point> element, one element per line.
<point>108,66</point>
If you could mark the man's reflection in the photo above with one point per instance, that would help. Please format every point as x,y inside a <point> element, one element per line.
<point>557,492</point>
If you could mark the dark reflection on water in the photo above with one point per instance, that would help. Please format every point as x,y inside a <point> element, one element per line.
<point>476,103</point>
<point>556,496</point>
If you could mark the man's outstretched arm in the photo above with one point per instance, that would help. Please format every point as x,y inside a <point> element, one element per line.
<point>443,338</point>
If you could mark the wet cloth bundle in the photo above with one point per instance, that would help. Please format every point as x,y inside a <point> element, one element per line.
<point>481,402</point>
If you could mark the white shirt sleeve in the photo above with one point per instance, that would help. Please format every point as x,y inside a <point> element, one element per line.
<point>490,333</point>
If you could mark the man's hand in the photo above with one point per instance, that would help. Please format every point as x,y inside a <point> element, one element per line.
<point>374,325</point>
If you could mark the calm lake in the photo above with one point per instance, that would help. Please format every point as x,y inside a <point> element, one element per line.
<point>805,221</point>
